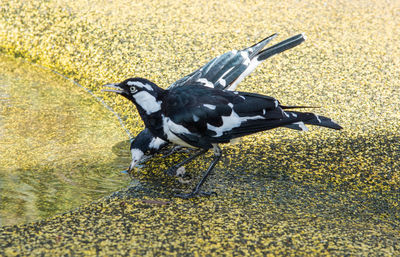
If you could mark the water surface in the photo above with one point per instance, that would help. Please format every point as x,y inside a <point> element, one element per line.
<point>59,147</point>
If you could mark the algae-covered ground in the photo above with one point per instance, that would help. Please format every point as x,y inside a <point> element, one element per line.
<point>279,192</point>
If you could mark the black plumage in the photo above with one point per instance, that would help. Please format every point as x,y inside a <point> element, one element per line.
<point>224,72</point>
<point>202,117</point>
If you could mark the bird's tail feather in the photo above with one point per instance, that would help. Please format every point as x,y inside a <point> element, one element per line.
<point>256,48</point>
<point>293,120</point>
<point>281,47</point>
<point>311,119</point>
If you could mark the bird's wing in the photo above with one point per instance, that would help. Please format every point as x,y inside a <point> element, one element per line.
<point>256,57</point>
<point>229,69</point>
<point>221,71</point>
<point>201,116</point>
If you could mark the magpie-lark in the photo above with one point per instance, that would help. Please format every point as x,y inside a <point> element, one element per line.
<point>224,72</point>
<point>201,116</point>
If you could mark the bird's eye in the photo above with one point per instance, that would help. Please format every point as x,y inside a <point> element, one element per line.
<point>133,90</point>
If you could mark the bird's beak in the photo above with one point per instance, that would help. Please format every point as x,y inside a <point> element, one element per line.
<point>114,87</point>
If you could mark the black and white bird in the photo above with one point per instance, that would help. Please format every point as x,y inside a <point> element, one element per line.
<point>201,116</point>
<point>224,72</point>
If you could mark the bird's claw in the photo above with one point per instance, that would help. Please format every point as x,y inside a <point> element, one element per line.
<point>184,178</point>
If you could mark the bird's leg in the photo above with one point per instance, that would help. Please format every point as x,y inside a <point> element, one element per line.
<point>196,190</point>
<point>175,149</point>
<point>172,170</point>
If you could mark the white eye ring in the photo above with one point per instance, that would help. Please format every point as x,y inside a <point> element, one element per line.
<point>133,90</point>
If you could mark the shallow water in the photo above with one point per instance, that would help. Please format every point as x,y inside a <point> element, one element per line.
<point>59,147</point>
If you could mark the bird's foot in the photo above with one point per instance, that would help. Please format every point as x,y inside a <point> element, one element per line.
<point>195,194</point>
<point>183,177</point>
<point>180,173</point>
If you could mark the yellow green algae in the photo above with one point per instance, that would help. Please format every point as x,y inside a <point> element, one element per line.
<point>280,192</point>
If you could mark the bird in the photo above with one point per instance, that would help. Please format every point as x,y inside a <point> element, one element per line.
<point>224,72</point>
<point>198,116</point>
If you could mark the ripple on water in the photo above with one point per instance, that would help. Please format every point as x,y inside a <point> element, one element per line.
<point>55,145</point>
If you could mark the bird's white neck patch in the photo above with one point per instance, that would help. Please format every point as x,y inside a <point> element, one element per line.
<point>147,101</point>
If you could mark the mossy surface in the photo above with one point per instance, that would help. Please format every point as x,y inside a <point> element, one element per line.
<point>280,192</point>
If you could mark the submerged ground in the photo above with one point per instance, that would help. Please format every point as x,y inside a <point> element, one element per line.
<point>280,192</point>
<point>55,144</point>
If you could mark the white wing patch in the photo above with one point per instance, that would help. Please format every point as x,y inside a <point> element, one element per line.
<point>156,142</point>
<point>206,83</point>
<point>230,122</point>
<point>222,81</point>
<point>301,125</point>
<point>170,128</point>
<point>251,66</point>
<point>245,56</point>
<point>148,102</point>
<point>210,106</point>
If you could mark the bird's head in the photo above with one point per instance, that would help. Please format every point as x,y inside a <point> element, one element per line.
<point>142,92</point>
<point>130,87</point>
<point>137,156</point>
